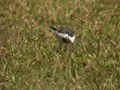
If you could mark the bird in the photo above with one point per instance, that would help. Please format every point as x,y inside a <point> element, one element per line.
<point>65,35</point>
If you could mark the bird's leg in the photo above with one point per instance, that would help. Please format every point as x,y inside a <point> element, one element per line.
<point>60,45</point>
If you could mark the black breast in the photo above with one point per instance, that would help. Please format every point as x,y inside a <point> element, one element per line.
<point>65,40</point>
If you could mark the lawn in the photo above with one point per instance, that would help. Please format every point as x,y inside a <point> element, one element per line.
<point>30,57</point>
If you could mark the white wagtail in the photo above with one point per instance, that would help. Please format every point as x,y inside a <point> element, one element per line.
<point>66,35</point>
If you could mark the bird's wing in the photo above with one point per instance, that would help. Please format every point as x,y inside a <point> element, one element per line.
<point>63,35</point>
<point>67,31</point>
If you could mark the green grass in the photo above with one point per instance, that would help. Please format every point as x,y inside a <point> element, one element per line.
<point>29,54</point>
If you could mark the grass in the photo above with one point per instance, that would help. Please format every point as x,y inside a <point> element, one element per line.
<point>29,57</point>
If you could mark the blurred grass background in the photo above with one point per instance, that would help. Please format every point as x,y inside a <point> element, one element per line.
<point>29,59</point>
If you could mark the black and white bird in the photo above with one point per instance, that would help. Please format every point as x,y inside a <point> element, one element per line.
<point>66,35</point>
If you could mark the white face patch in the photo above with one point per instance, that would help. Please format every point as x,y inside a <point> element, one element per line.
<point>72,39</point>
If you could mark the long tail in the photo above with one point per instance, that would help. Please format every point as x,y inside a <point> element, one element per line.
<point>53,28</point>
